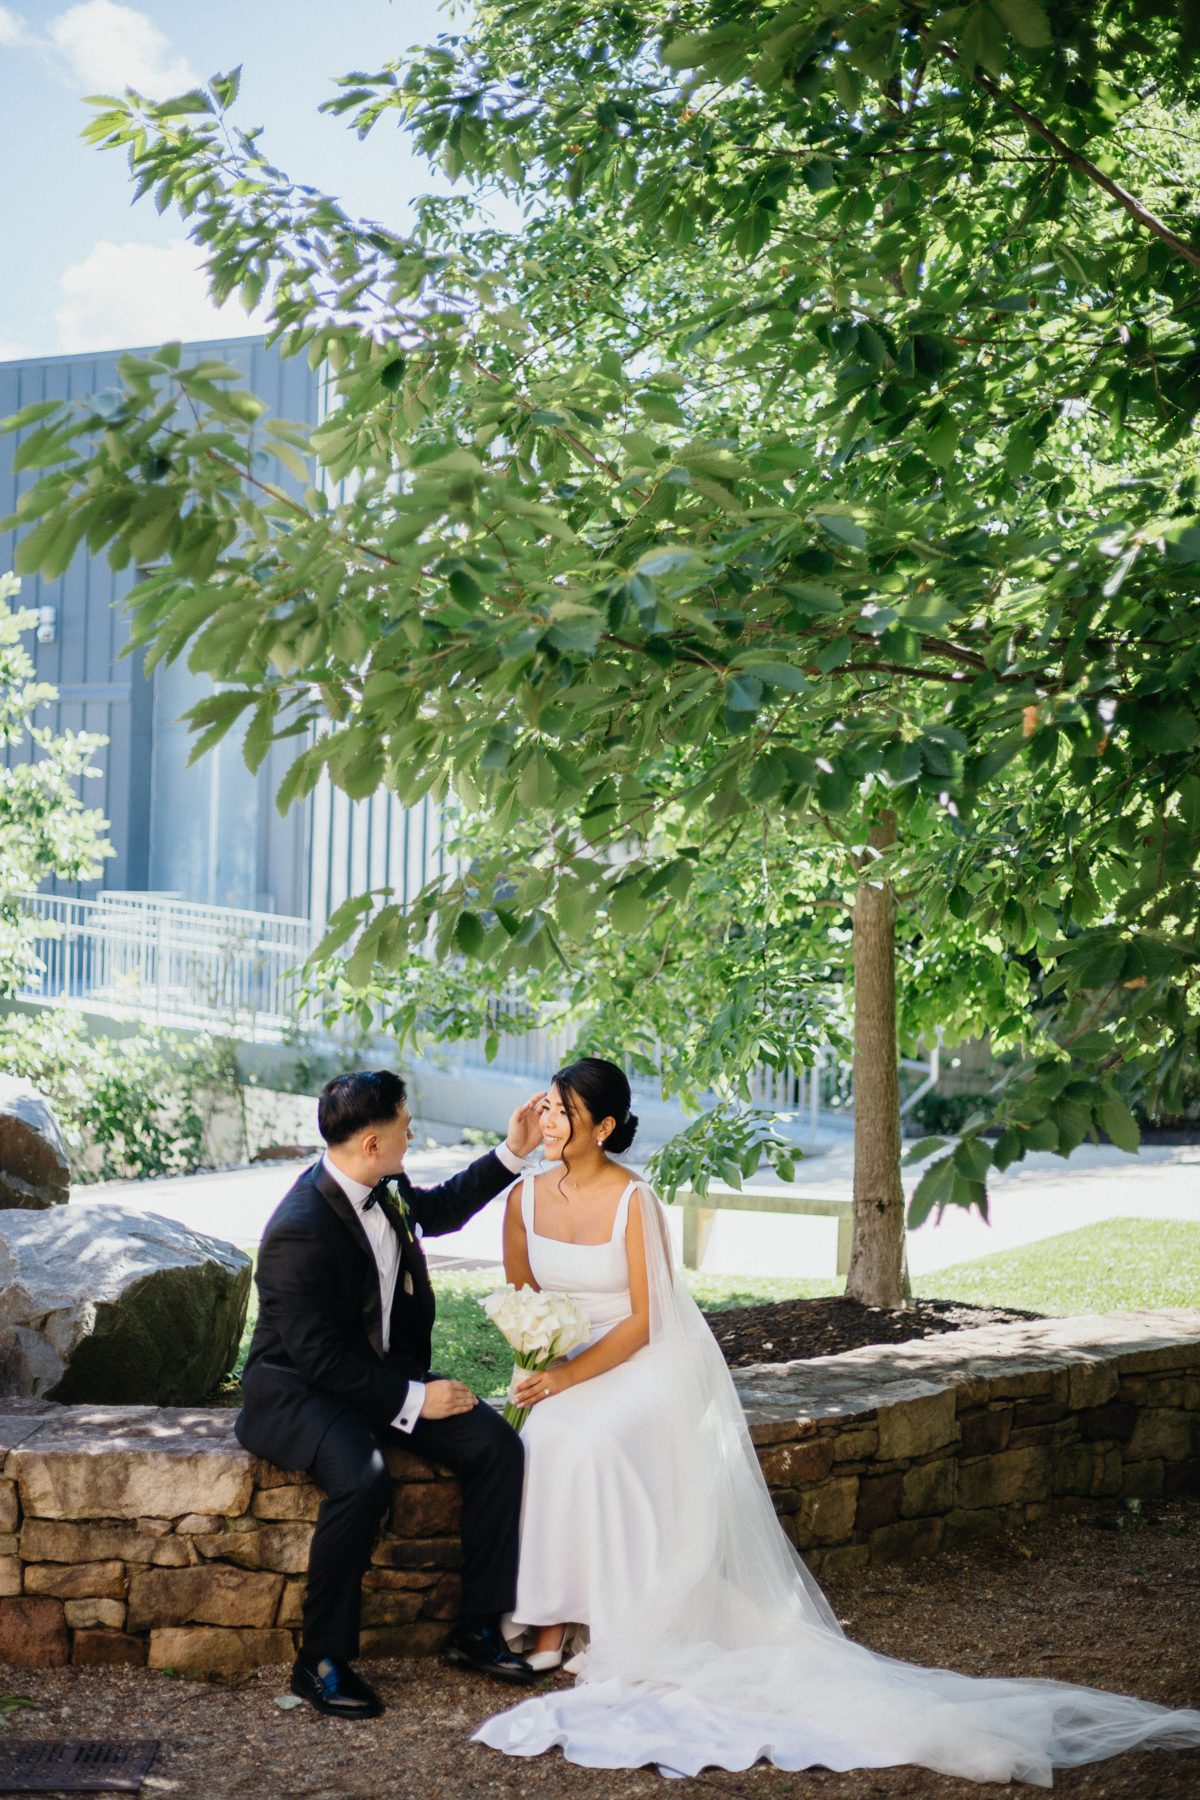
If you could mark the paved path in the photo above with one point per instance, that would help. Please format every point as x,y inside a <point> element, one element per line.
<point>1041,1197</point>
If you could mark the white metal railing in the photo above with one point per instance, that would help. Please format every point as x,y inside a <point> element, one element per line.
<point>176,962</point>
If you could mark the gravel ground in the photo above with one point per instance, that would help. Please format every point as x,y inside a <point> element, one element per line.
<point>1113,1608</point>
<point>788,1329</point>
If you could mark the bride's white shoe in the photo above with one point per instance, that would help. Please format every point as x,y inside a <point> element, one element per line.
<point>544,1659</point>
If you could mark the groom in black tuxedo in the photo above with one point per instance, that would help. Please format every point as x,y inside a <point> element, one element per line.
<point>338,1369</point>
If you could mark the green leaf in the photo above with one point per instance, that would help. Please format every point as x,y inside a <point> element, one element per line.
<point>1189,802</point>
<point>260,733</point>
<point>743,694</point>
<point>219,712</point>
<point>817,175</point>
<point>941,444</point>
<point>815,596</point>
<point>922,1148</point>
<point>195,102</point>
<point>1009,1148</point>
<point>29,415</point>
<point>537,785</point>
<point>958,902</point>
<point>846,531</point>
<point>901,765</point>
<point>340,926</point>
<point>567,771</point>
<point>1160,724</point>
<point>973,1159</point>
<point>934,1189</point>
<point>1027,21</point>
<point>290,458</point>
<point>780,675</point>
<point>1041,1134</point>
<point>627,908</point>
<point>1114,1117</point>
<point>225,87</point>
<point>470,934</point>
<point>835,654</point>
<point>663,408</point>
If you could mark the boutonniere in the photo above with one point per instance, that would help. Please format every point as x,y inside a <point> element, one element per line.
<point>400,1202</point>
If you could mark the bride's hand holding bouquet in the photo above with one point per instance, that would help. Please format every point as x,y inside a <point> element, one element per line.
<point>542,1384</point>
<point>541,1328</point>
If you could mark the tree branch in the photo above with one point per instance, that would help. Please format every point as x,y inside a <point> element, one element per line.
<point>1075,160</point>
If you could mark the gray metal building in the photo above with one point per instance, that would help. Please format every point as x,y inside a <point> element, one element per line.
<point>211,833</point>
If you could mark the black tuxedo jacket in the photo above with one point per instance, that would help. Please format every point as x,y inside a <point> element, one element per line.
<point>317,1350</point>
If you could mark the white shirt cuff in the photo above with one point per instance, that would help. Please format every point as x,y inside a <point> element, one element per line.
<point>410,1412</point>
<point>516,1165</point>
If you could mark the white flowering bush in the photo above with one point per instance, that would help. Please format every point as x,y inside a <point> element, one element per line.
<point>539,1328</point>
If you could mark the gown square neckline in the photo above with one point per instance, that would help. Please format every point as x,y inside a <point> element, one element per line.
<point>604,1244</point>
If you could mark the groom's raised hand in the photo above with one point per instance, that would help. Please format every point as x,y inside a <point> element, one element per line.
<point>525,1127</point>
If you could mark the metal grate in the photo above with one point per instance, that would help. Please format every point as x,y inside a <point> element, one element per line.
<point>76,1768</point>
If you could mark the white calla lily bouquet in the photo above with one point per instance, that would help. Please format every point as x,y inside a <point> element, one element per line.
<point>539,1328</point>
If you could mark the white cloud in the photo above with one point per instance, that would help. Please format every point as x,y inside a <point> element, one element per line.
<point>123,296</point>
<point>12,30</point>
<point>108,48</point>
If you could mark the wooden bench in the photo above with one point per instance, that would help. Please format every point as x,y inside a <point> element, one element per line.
<point>701,1209</point>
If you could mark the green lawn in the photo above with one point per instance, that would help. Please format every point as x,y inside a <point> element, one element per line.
<point>1115,1266</point>
<point>1119,1265</point>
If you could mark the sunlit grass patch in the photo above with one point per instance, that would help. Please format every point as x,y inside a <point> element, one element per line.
<point>1115,1266</point>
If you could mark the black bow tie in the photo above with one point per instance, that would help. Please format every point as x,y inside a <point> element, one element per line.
<point>377,1194</point>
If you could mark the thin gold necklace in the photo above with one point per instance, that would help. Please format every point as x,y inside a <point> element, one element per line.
<point>574,1184</point>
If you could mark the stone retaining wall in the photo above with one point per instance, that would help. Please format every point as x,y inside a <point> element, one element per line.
<point>134,1534</point>
<point>901,1450</point>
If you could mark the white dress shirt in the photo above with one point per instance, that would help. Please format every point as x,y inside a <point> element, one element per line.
<point>385,1247</point>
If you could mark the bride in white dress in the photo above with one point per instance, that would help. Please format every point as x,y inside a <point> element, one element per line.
<point>647,1522</point>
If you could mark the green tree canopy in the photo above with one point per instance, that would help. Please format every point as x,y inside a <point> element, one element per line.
<point>819,453</point>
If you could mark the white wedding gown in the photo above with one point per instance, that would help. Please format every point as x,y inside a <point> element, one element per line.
<point>646,1518</point>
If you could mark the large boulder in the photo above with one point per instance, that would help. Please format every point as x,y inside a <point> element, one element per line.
<point>106,1304</point>
<point>34,1172</point>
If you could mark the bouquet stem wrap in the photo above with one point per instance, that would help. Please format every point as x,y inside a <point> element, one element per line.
<point>539,1329</point>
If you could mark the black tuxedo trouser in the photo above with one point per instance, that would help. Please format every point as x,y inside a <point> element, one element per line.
<point>489,1460</point>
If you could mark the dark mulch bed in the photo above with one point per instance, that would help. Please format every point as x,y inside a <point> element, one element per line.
<point>789,1329</point>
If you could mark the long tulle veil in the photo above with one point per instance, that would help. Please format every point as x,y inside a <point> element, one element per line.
<point>734,1653</point>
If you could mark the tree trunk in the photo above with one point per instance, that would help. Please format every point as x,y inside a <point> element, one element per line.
<point>878,1262</point>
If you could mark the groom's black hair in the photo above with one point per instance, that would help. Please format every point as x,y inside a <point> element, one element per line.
<point>351,1103</point>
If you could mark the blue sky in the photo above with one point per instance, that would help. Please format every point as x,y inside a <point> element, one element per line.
<point>83,269</point>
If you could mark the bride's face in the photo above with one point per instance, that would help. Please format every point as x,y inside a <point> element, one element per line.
<point>556,1125</point>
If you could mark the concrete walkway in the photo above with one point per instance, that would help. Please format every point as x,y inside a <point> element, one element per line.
<point>1041,1197</point>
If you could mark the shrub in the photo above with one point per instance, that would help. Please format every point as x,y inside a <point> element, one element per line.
<point>944,1114</point>
<point>129,1107</point>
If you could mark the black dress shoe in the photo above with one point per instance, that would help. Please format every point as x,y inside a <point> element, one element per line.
<point>338,1691</point>
<point>485,1650</point>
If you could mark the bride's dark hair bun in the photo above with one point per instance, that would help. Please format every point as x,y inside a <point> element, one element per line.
<point>602,1088</point>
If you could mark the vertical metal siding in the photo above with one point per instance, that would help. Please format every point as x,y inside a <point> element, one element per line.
<point>211,833</point>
